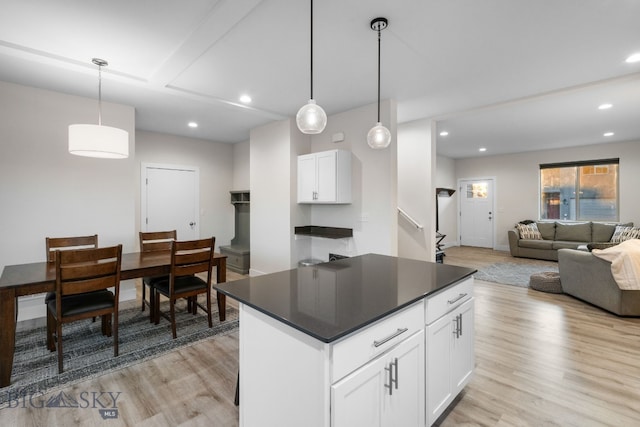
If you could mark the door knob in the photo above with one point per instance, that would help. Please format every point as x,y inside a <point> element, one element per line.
<point>192,223</point>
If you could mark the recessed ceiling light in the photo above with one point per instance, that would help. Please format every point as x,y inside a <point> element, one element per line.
<point>444,133</point>
<point>608,134</point>
<point>245,99</point>
<point>482,149</point>
<point>193,125</point>
<point>604,106</point>
<point>633,58</point>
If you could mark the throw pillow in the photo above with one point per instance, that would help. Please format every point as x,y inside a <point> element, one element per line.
<point>620,233</point>
<point>529,231</point>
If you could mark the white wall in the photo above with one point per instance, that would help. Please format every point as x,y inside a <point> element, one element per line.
<point>270,185</point>
<point>517,177</point>
<point>273,183</point>
<point>372,213</point>
<point>215,163</point>
<point>46,191</point>
<point>241,166</point>
<point>448,206</point>
<point>416,157</point>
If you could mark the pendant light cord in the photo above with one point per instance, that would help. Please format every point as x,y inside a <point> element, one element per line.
<point>378,75</point>
<point>99,95</point>
<point>311,50</point>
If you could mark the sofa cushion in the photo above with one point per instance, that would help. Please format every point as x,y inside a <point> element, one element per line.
<point>564,244</point>
<point>623,233</point>
<point>535,244</point>
<point>601,245</point>
<point>548,230</point>
<point>580,232</point>
<point>529,231</point>
<point>602,232</point>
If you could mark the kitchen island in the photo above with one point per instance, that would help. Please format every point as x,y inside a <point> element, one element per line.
<point>362,341</point>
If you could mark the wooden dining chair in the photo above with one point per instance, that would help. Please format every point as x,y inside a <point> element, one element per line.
<point>55,244</point>
<point>187,259</point>
<point>152,241</point>
<point>83,277</point>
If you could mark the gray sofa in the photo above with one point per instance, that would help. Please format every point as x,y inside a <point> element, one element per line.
<point>558,235</point>
<point>589,278</point>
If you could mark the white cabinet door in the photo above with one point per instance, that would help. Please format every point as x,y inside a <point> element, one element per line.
<point>388,391</point>
<point>406,405</point>
<point>462,348</point>
<point>438,367</point>
<point>450,358</point>
<point>326,163</point>
<point>306,178</point>
<point>324,177</point>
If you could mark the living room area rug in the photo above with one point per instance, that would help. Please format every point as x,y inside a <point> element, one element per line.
<point>514,274</point>
<point>89,354</point>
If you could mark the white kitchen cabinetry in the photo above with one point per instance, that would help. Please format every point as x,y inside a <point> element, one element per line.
<point>344,380</point>
<point>449,346</point>
<point>388,391</point>
<point>325,177</point>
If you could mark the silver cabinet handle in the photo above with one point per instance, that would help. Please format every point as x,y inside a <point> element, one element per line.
<point>390,385</point>
<point>390,337</point>
<point>395,362</point>
<point>393,372</point>
<point>458,298</point>
<point>458,328</point>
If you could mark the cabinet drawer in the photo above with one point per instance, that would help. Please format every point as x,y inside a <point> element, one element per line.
<point>357,349</point>
<point>447,300</point>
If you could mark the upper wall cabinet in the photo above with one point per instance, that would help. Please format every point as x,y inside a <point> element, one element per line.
<point>325,177</point>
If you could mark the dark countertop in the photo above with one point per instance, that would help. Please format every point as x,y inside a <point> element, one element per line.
<point>330,300</point>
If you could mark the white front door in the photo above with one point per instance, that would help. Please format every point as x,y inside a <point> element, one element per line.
<point>170,199</point>
<point>476,213</point>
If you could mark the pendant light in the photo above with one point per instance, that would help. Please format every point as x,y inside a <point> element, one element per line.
<point>97,140</point>
<point>311,118</point>
<point>379,136</point>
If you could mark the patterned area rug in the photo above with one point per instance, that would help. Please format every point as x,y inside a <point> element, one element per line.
<point>508,273</point>
<point>89,354</point>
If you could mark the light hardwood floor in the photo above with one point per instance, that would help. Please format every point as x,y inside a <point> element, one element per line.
<point>541,360</point>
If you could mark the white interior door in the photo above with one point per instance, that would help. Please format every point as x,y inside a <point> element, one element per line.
<point>476,213</point>
<point>170,199</point>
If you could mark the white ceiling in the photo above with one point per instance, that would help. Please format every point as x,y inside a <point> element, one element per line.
<point>509,75</point>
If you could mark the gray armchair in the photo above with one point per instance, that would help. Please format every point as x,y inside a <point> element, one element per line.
<point>589,278</point>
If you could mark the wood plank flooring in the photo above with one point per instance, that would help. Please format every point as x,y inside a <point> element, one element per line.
<point>541,360</point>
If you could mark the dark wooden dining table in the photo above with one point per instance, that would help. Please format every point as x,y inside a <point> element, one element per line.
<point>38,277</point>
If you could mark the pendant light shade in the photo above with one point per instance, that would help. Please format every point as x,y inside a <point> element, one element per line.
<point>99,141</point>
<point>311,118</point>
<point>379,136</point>
<point>105,142</point>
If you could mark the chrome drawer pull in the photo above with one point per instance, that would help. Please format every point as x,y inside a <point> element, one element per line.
<point>453,301</point>
<point>392,380</point>
<point>390,337</point>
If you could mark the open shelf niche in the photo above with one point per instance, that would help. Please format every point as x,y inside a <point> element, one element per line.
<point>238,253</point>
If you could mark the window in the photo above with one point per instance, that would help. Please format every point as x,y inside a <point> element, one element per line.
<point>477,190</point>
<point>580,191</point>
